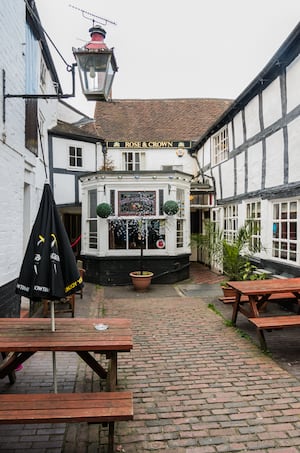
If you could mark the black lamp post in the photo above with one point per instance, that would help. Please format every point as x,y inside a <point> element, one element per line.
<point>97,66</point>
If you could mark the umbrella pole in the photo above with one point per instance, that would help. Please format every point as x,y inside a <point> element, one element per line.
<point>52,316</point>
<point>54,372</point>
<point>53,353</point>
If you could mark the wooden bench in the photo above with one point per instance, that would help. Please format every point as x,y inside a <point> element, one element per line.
<point>273,297</point>
<point>102,407</point>
<point>271,323</point>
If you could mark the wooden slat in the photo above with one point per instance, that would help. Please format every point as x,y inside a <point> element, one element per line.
<point>71,334</point>
<point>276,322</point>
<point>269,286</point>
<point>66,407</point>
<point>272,297</point>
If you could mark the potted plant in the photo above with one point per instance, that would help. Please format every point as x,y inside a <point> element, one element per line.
<point>141,279</point>
<point>233,256</point>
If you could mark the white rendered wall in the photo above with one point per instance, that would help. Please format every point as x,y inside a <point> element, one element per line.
<point>227,169</point>
<point>240,173</point>
<point>22,174</point>
<point>252,117</point>
<point>238,129</point>
<point>294,150</point>
<point>274,160</point>
<point>254,167</point>
<point>12,149</point>
<point>272,110</point>
<point>61,154</point>
<point>155,159</point>
<point>292,84</point>
<point>64,188</point>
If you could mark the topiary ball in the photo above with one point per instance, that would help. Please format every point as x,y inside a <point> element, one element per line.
<point>104,210</point>
<point>170,207</point>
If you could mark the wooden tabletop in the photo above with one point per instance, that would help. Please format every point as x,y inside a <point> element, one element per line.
<point>71,334</point>
<point>268,286</point>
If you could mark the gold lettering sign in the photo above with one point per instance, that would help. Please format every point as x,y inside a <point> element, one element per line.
<point>149,145</point>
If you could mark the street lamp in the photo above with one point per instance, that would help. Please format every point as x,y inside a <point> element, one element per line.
<point>97,66</point>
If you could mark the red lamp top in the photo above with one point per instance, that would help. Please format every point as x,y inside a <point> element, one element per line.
<point>98,35</point>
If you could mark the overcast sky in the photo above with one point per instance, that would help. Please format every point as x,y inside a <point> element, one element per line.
<point>174,48</point>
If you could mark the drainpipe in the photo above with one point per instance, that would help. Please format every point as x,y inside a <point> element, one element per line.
<point>104,151</point>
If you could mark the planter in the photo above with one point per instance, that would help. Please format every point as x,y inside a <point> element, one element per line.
<point>228,292</point>
<point>141,282</point>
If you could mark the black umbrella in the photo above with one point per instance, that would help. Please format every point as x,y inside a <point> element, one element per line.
<point>49,270</point>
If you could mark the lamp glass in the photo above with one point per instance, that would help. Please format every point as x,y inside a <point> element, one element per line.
<point>96,70</point>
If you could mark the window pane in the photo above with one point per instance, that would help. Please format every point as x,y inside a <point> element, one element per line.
<point>92,203</point>
<point>117,234</point>
<point>93,234</point>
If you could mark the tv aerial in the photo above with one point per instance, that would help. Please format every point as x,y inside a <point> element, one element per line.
<point>90,16</point>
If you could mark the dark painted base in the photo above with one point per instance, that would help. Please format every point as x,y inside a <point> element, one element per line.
<point>10,302</point>
<point>282,269</point>
<point>115,271</point>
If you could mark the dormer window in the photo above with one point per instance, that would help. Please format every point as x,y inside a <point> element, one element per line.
<point>220,146</point>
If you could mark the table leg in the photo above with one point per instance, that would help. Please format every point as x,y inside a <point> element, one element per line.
<point>235,308</point>
<point>86,356</point>
<point>12,375</point>
<point>253,306</point>
<point>297,295</point>
<point>8,367</point>
<point>262,340</point>
<point>112,375</point>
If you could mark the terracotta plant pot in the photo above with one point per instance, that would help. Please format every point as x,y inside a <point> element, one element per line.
<point>228,292</point>
<point>141,282</point>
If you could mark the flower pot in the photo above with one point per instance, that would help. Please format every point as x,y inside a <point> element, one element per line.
<point>228,292</point>
<point>141,281</point>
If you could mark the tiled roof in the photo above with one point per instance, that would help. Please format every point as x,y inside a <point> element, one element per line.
<point>71,130</point>
<point>156,119</point>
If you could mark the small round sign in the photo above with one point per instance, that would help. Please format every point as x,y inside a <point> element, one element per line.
<point>160,244</point>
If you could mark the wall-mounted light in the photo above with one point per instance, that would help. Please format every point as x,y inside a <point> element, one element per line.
<point>97,67</point>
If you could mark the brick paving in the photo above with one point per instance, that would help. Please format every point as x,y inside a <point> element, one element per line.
<point>199,385</point>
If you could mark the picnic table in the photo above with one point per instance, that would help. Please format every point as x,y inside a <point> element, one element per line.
<point>258,293</point>
<point>26,336</point>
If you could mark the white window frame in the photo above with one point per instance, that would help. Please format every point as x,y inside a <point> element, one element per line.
<point>230,221</point>
<point>76,157</point>
<point>220,146</point>
<point>133,160</point>
<point>92,221</point>
<point>284,246</point>
<point>253,218</point>
<point>179,233</point>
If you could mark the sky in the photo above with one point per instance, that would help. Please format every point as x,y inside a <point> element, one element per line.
<point>173,48</point>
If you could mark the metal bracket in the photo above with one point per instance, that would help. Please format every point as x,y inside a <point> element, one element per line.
<point>35,96</point>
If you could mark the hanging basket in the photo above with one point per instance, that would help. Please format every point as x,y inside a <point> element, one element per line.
<point>170,207</point>
<point>104,210</point>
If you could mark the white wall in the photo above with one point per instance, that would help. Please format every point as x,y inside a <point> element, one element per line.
<point>155,159</point>
<point>294,150</point>
<point>252,117</point>
<point>254,167</point>
<point>292,83</point>
<point>22,174</point>
<point>274,159</point>
<point>272,110</point>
